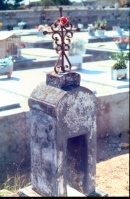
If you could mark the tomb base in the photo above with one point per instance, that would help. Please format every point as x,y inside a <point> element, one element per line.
<point>29,192</point>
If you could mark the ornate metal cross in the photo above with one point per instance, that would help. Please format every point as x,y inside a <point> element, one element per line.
<point>62,33</point>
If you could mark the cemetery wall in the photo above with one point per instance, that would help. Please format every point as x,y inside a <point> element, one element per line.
<point>14,139</point>
<point>35,17</point>
<point>112,119</point>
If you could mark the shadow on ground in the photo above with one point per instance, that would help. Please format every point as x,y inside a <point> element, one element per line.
<point>109,147</point>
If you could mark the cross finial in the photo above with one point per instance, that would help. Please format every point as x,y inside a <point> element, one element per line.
<point>62,32</point>
<point>60,11</point>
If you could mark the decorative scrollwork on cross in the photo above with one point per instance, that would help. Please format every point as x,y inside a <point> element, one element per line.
<point>62,32</point>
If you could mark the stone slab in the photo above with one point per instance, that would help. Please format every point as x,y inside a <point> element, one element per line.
<point>40,52</point>
<point>104,46</point>
<point>71,192</point>
<point>44,53</point>
<point>102,50</point>
<point>25,32</point>
<point>19,80</point>
<point>103,78</point>
<point>23,59</point>
<point>35,41</point>
<point>43,44</point>
<point>40,57</point>
<point>99,74</point>
<point>36,38</point>
<point>8,101</point>
<point>33,31</point>
<point>94,52</point>
<point>31,38</point>
<point>108,36</point>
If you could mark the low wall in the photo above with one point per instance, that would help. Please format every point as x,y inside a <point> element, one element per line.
<point>81,15</point>
<point>113,114</point>
<point>112,119</point>
<point>14,139</point>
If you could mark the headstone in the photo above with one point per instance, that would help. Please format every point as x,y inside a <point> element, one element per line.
<point>63,136</point>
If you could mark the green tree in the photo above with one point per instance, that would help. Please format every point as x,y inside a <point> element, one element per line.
<point>46,3</point>
<point>54,2</point>
<point>16,4</point>
<point>9,5</point>
<point>62,2</point>
<point>4,4</point>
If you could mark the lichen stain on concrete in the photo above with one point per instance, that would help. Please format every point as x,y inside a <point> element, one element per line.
<point>56,115</point>
<point>79,109</point>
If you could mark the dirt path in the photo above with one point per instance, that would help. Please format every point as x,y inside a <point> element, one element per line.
<point>112,169</point>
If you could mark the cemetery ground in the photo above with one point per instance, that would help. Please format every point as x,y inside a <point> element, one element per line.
<point>112,168</point>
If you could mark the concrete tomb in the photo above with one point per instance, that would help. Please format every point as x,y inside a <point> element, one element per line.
<point>63,136</point>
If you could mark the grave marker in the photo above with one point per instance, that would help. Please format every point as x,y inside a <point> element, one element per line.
<point>63,135</point>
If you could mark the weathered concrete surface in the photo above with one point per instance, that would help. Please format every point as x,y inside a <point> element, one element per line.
<point>14,139</point>
<point>102,50</point>
<point>36,41</point>
<point>63,136</point>
<point>63,81</point>
<point>28,192</point>
<point>71,192</point>
<point>39,58</point>
<point>113,114</point>
<point>10,101</point>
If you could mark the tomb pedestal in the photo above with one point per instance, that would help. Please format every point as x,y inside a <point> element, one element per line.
<point>63,136</point>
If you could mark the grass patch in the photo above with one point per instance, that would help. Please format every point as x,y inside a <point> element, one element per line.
<point>15,183</point>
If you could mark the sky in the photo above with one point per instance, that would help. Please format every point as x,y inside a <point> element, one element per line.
<point>27,1</point>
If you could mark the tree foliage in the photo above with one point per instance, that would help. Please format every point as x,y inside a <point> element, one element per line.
<point>17,4</point>
<point>62,2</point>
<point>54,2</point>
<point>8,5</point>
<point>4,4</point>
<point>14,4</point>
<point>46,3</point>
